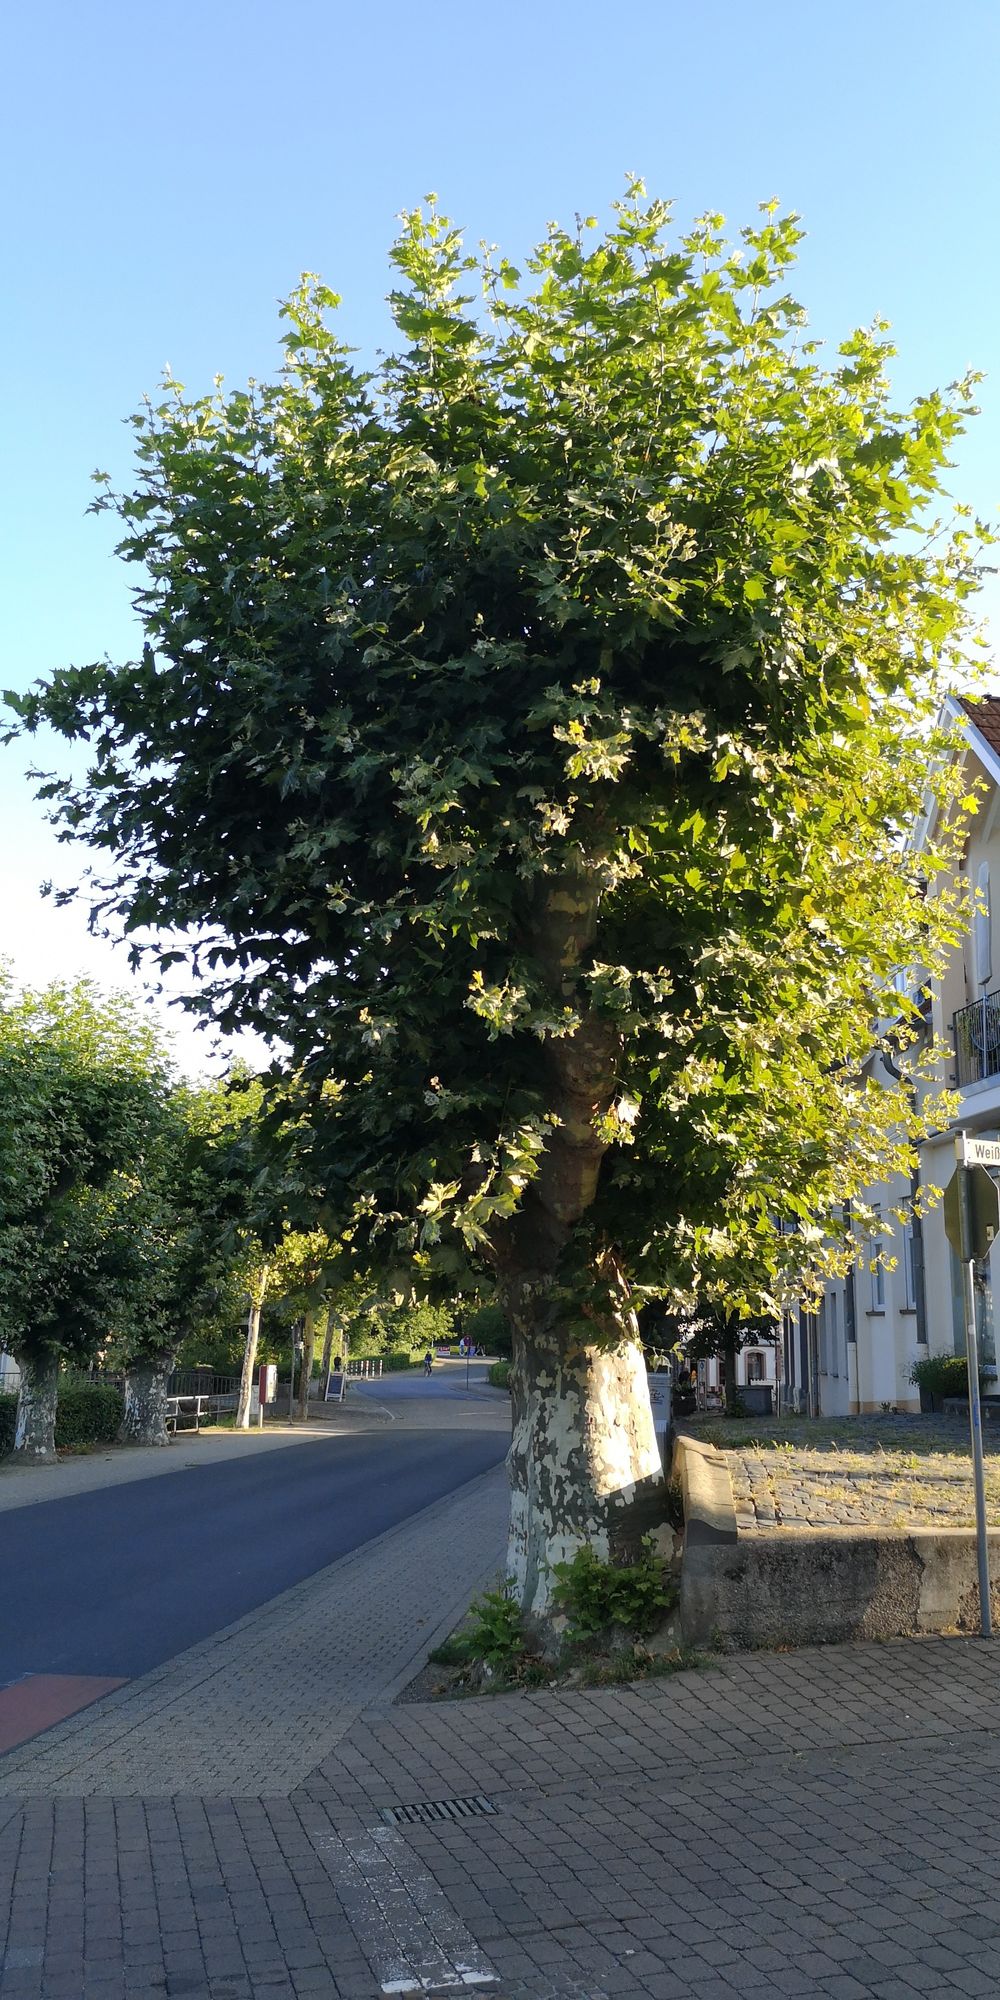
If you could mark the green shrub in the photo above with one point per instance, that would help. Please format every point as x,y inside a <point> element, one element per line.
<point>488,1328</point>
<point>595,1595</point>
<point>398,1357</point>
<point>498,1375</point>
<point>8,1423</point>
<point>941,1375</point>
<point>493,1634</point>
<point>88,1413</point>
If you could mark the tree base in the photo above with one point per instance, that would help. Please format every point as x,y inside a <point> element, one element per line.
<point>584,1464</point>
<point>37,1399</point>
<point>145,1417</point>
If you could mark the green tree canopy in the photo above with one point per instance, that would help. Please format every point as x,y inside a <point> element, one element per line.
<point>83,1086</point>
<point>527,734</point>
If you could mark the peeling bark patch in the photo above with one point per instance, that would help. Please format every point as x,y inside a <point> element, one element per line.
<point>406,1927</point>
<point>145,1417</point>
<point>584,1460</point>
<point>35,1433</point>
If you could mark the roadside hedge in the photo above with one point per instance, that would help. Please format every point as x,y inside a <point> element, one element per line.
<point>397,1357</point>
<point>499,1375</point>
<point>87,1413</point>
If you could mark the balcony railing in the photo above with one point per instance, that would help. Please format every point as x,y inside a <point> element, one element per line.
<point>977,1039</point>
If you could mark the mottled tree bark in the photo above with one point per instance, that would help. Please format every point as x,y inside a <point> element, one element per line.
<point>730,1350</point>
<point>327,1349</point>
<point>584,1462</point>
<point>37,1398</point>
<point>305,1377</point>
<point>145,1417</point>
<point>249,1362</point>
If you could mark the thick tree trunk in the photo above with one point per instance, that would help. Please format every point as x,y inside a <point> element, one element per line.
<point>145,1418</point>
<point>584,1463</point>
<point>730,1350</point>
<point>35,1433</point>
<point>305,1378</point>
<point>249,1361</point>
<point>327,1349</point>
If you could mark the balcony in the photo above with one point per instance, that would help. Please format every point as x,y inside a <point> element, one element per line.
<point>977,1040</point>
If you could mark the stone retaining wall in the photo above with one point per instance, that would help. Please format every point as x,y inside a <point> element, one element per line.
<point>815,1586</point>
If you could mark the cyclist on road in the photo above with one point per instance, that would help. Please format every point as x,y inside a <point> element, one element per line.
<point>428,1362</point>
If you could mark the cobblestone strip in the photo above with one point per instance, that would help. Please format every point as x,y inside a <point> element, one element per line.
<point>256,1706</point>
<point>881,1472</point>
<point>408,1929</point>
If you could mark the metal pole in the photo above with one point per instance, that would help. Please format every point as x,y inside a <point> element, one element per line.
<point>976,1418</point>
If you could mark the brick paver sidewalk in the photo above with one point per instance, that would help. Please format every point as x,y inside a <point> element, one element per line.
<point>819,1823</point>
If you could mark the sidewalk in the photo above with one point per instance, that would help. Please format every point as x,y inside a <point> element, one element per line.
<point>820,1823</point>
<point>255,1707</point>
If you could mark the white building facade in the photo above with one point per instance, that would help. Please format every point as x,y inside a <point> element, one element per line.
<point>855,1355</point>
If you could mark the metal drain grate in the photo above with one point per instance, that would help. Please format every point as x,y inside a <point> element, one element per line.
<point>438,1809</point>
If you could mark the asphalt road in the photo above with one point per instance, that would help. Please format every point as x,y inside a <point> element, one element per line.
<point>116,1581</point>
<point>452,1380</point>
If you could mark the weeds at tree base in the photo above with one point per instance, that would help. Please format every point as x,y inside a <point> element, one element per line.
<point>596,1597</point>
<point>529,1673</point>
<point>610,1609</point>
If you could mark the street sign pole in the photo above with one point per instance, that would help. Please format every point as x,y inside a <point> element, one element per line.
<point>972,1226</point>
<point>975,1409</point>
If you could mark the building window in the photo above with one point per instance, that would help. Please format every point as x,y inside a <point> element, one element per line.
<point>756,1366</point>
<point>876,1273</point>
<point>909,1283</point>
<point>833,1343</point>
<point>982,927</point>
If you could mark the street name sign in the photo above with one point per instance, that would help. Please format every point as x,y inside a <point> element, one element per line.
<point>977,1152</point>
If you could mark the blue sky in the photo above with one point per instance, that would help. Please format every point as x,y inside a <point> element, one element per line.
<point>171,171</point>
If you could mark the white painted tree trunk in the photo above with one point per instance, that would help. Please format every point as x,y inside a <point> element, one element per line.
<point>145,1417</point>
<point>584,1462</point>
<point>249,1360</point>
<point>37,1397</point>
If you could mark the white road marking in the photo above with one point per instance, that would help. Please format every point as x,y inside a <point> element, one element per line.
<point>402,1919</point>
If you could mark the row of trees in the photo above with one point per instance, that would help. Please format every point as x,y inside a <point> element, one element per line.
<point>135,1208</point>
<point>142,1218</point>
<point>528,737</point>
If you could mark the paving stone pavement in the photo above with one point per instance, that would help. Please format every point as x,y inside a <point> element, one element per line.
<point>256,1705</point>
<point>815,1823</point>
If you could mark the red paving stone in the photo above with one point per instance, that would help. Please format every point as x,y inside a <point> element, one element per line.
<point>40,1700</point>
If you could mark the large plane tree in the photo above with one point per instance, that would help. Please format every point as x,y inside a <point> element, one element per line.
<point>525,737</point>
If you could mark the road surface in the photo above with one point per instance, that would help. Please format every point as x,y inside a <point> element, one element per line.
<point>112,1582</point>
